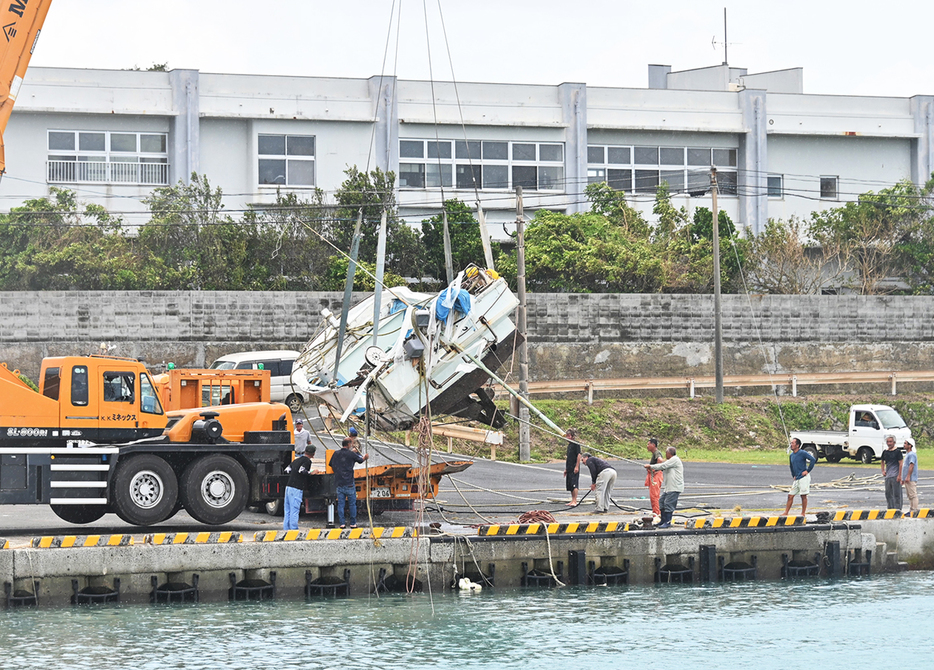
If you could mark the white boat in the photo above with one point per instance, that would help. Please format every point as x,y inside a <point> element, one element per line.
<point>423,357</point>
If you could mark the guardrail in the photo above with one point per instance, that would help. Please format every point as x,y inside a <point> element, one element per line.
<point>690,384</point>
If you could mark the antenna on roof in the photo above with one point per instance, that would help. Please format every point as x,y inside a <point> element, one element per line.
<point>725,43</point>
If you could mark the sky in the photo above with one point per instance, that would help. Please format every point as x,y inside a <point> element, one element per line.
<point>849,47</point>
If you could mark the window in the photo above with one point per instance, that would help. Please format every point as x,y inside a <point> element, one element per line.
<point>775,187</point>
<point>828,188</point>
<point>118,387</point>
<point>51,383</point>
<point>108,157</point>
<point>481,164</point>
<point>149,401</point>
<point>684,169</point>
<point>286,160</point>
<point>79,385</point>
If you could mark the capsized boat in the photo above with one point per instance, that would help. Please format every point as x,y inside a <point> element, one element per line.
<point>423,356</point>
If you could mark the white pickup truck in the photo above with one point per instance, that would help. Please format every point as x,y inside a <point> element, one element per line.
<point>865,439</point>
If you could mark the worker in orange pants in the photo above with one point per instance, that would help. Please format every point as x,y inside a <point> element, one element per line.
<point>653,478</point>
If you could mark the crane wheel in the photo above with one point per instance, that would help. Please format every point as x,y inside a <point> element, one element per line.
<point>214,489</point>
<point>145,490</point>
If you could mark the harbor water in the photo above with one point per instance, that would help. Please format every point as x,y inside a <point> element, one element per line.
<point>879,622</point>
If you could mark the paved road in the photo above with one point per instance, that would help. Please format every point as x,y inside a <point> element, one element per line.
<point>500,492</point>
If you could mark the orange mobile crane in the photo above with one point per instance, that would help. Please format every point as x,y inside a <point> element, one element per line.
<point>96,439</point>
<point>21,25</point>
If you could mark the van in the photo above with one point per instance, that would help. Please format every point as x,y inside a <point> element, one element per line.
<point>278,362</point>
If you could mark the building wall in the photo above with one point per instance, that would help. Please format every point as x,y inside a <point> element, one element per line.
<point>868,142</point>
<point>571,336</point>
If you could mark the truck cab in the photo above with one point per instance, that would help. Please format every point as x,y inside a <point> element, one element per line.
<point>81,399</point>
<point>869,424</point>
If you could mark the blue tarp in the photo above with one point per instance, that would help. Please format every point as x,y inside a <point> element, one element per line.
<point>462,304</point>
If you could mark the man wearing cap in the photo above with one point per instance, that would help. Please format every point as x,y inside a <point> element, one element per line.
<point>302,438</point>
<point>299,470</point>
<point>891,468</point>
<point>352,434</point>
<point>909,475</point>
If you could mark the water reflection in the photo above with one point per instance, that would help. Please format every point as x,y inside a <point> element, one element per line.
<point>743,625</point>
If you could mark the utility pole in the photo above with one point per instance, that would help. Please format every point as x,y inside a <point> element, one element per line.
<point>717,320</point>
<point>525,451</point>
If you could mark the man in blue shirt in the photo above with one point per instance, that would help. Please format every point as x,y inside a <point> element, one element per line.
<point>801,463</point>
<point>342,462</point>
<point>910,475</point>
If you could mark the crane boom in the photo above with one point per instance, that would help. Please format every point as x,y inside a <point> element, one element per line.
<point>21,22</point>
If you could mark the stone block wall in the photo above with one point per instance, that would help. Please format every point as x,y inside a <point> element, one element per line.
<point>571,336</point>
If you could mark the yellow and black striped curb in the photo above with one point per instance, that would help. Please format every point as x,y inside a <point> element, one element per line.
<point>69,541</point>
<point>554,528</point>
<point>193,538</point>
<point>334,534</point>
<point>4,543</point>
<point>745,522</point>
<point>873,514</point>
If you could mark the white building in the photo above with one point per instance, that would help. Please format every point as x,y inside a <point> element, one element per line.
<point>114,135</point>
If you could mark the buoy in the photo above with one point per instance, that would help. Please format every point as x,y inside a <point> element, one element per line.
<point>464,584</point>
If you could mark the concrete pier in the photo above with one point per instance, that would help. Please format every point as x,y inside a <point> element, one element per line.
<point>58,570</point>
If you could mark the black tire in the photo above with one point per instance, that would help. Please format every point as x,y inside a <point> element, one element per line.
<point>79,513</point>
<point>274,507</point>
<point>214,489</point>
<point>145,490</point>
<point>295,402</point>
<point>811,449</point>
<point>864,455</point>
<point>834,457</point>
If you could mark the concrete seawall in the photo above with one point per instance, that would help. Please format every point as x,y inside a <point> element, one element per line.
<point>571,336</point>
<point>765,548</point>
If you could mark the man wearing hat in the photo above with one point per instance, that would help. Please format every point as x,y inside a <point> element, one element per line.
<point>909,475</point>
<point>302,437</point>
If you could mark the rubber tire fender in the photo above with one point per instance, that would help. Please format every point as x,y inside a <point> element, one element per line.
<point>79,513</point>
<point>214,489</point>
<point>132,475</point>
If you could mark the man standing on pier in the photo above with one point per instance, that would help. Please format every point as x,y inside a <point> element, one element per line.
<point>299,471</point>
<point>910,475</point>
<point>572,465</point>
<point>603,477</point>
<point>342,462</point>
<point>801,463</point>
<point>672,484</point>
<point>891,470</point>
<point>654,479</point>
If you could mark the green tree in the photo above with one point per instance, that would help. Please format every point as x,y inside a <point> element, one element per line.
<point>466,245</point>
<point>53,244</point>
<point>373,192</point>
<point>875,233</point>
<point>585,253</point>
<point>192,242</point>
<point>289,250</point>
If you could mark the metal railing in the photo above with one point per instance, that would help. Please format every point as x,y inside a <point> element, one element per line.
<point>690,384</point>
<point>96,172</point>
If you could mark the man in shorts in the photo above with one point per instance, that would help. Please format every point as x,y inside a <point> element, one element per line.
<point>572,465</point>
<point>801,463</point>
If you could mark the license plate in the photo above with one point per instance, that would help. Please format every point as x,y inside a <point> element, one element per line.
<point>379,493</point>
